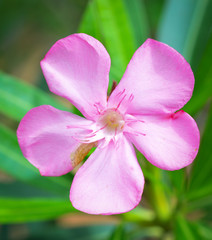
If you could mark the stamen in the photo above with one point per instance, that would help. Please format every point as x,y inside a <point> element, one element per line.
<point>101,128</point>
<point>126,98</point>
<point>104,143</point>
<point>131,98</point>
<point>120,93</point>
<point>139,133</point>
<point>94,136</point>
<point>133,121</point>
<point>97,106</point>
<point>120,102</point>
<point>76,126</point>
<point>134,132</point>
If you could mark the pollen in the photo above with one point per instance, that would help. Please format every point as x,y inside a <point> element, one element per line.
<point>112,120</point>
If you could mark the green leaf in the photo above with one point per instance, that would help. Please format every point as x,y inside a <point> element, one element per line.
<point>202,206</point>
<point>138,20</point>
<point>22,210</point>
<point>139,214</point>
<point>175,23</point>
<point>128,231</point>
<point>183,229</point>
<point>90,23</point>
<point>154,11</point>
<point>186,27</point>
<point>119,233</point>
<point>52,232</point>
<point>13,163</point>
<point>199,32</point>
<point>203,84</point>
<point>205,231</point>
<point>20,189</point>
<point>177,178</point>
<point>192,230</point>
<point>146,232</point>
<point>17,98</point>
<point>201,181</point>
<point>109,22</point>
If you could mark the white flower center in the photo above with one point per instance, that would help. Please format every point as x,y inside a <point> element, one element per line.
<point>112,121</point>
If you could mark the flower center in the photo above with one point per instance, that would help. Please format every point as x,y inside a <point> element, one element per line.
<point>112,120</point>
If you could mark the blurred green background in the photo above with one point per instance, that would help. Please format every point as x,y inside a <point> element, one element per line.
<point>175,205</point>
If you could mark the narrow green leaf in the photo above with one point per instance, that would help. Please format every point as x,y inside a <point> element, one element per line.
<point>20,189</point>
<point>138,20</point>
<point>154,11</point>
<point>175,23</point>
<point>199,32</point>
<point>205,231</point>
<point>203,84</point>
<point>109,22</point>
<point>147,232</point>
<point>17,98</point>
<point>22,210</point>
<point>158,196</point>
<point>201,181</point>
<point>90,23</point>
<point>13,163</point>
<point>184,230</point>
<point>202,206</point>
<point>117,33</point>
<point>177,181</point>
<point>128,231</point>
<point>186,26</point>
<point>139,215</point>
<point>119,233</point>
<point>92,232</point>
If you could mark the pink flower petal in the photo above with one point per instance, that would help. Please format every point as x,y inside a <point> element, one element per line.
<point>77,68</point>
<point>157,80</point>
<point>169,142</point>
<point>46,139</point>
<point>109,182</point>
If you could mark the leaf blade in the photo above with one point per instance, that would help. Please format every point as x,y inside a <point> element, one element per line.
<point>17,97</point>
<point>22,210</point>
<point>200,184</point>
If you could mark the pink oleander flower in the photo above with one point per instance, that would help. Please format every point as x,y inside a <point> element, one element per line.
<point>141,111</point>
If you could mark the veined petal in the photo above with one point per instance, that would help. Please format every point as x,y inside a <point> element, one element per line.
<point>168,142</point>
<point>157,80</point>
<point>109,182</point>
<point>46,138</point>
<point>77,68</point>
